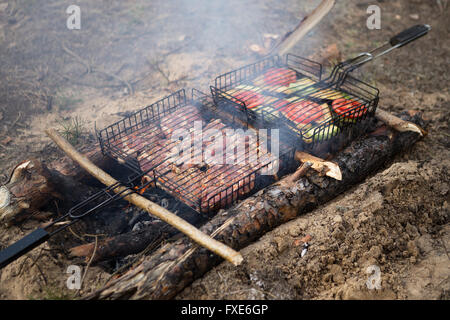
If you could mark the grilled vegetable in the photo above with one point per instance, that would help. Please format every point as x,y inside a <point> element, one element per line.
<point>318,135</point>
<point>307,116</point>
<point>251,99</point>
<point>328,94</point>
<point>276,77</point>
<point>304,112</point>
<point>255,101</point>
<point>300,85</point>
<point>349,109</point>
<point>242,87</point>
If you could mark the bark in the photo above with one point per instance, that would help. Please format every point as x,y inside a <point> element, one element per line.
<point>170,269</point>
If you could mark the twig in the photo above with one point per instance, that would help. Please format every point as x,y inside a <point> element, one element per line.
<point>90,69</point>
<point>125,82</point>
<point>76,235</point>
<point>89,263</point>
<point>77,57</point>
<point>301,171</point>
<point>17,120</point>
<point>189,252</point>
<point>21,266</point>
<point>42,274</point>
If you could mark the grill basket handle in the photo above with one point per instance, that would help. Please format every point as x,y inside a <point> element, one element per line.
<point>24,245</point>
<point>340,72</point>
<point>409,35</point>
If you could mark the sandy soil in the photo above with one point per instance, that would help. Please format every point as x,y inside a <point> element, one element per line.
<point>397,219</point>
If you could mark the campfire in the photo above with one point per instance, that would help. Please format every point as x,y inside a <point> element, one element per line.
<point>219,161</point>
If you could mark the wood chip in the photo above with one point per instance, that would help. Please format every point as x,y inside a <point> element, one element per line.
<point>305,239</point>
<point>331,169</point>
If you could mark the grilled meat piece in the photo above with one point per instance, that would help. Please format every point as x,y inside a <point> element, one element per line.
<point>180,119</point>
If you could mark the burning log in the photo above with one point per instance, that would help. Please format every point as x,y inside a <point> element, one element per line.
<point>70,168</point>
<point>122,245</point>
<point>167,271</point>
<point>28,189</point>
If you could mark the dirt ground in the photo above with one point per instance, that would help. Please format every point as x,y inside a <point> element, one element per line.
<point>128,54</point>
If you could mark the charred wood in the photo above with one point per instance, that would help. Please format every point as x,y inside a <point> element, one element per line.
<point>124,244</point>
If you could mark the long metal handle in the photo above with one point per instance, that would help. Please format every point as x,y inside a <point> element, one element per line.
<point>24,245</point>
<point>344,68</point>
<point>409,35</point>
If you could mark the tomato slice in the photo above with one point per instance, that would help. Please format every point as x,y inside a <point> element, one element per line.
<point>348,108</point>
<point>279,77</point>
<point>250,98</point>
<point>302,112</point>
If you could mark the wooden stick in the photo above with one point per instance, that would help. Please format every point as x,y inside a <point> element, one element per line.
<point>301,171</point>
<point>397,123</point>
<point>196,235</point>
<point>291,38</point>
<point>331,169</point>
